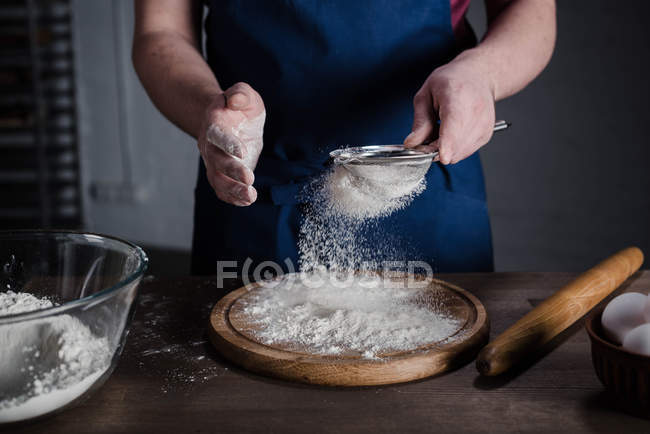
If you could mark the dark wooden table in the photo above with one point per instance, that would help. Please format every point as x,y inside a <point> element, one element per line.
<point>171,380</point>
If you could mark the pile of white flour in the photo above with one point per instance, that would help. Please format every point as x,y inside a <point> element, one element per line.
<point>45,363</point>
<point>362,315</point>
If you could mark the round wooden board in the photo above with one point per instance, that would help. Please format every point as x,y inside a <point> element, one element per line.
<point>234,337</point>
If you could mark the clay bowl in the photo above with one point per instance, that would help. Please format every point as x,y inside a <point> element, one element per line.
<point>625,375</point>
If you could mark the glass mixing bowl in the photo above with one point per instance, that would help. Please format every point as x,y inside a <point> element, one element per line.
<point>53,358</point>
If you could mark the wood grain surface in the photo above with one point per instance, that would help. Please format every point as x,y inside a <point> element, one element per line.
<point>232,332</point>
<point>558,312</point>
<point>171,380</point>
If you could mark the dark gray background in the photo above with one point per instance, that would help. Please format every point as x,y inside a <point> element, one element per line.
<point>567,185</point>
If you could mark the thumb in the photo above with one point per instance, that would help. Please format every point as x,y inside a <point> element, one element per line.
<point>240,97</point>
<point>423,122</point>
<point>237,101</point>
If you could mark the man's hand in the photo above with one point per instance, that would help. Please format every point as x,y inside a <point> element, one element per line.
<point>230,143</point>
<point>463,100</point>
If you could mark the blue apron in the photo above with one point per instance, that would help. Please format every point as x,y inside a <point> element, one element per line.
<point>335,73</point>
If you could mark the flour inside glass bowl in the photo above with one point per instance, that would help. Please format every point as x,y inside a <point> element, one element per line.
<point>57,359</point>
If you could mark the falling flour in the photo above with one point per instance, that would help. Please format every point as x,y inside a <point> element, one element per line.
<point>46,362</point>
<point>334,306</point>
<point>324,313</point>
<point>340,230</point>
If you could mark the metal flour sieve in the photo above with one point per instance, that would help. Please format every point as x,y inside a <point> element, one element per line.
<point>377,162</point>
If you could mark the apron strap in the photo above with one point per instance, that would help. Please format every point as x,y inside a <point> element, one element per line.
<point>281,182</point>
<point>285,194</point>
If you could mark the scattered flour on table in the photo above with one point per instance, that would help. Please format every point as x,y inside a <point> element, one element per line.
<point>170,347</point>
<point>45,363</point>
<point>324,313</point>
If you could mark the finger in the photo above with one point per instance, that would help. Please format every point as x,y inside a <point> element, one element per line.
<point>427,149</point>
<point>232,167</point>
<point>451,127</point>
<point>242,97</point>
<point>231,191</point>
<point>487,133</point>
<point>229,143</point>
<point>423,120</point>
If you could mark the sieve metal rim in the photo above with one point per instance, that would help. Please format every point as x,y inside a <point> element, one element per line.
<point>376,154</point>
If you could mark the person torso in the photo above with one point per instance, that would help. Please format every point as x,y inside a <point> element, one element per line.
<point>332,73</point>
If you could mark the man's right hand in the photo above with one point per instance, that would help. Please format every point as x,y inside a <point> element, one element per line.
<point>231,142</point>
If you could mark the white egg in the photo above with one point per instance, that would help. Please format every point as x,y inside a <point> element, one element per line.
<point>637,340</point>
<point>646,310</point>
<point>622,314</point>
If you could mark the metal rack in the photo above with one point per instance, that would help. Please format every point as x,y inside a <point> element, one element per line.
<point>39,158</point>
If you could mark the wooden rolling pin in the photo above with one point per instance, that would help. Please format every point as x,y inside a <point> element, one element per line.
<point>558,312</point>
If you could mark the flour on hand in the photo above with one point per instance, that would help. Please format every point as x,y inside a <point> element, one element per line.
<point>244,140</point>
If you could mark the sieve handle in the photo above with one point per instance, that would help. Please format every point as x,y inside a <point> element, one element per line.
<point>498,125</point>
<point>501,125</point>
